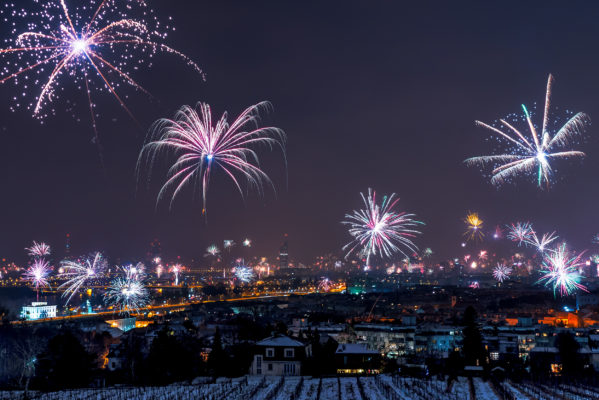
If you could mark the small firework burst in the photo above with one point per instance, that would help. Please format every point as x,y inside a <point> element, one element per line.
<point>247,242</point>
<point>212,251</point>
<point>474,224</point>
<point>228,244</point>
<point>542,243</point>
<point>324,285</point>
<point>427,253</point>
<point>483,255</point>
<point>520,232</point>
<point>176,271</point>
<point>40,249</point>
<point>560,270</point>
<point>127,294</point>
<point>244,273</point>
<point>501,272</point>
<point>37,274</point>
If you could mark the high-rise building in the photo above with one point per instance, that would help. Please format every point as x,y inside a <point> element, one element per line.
<point>284,256</point>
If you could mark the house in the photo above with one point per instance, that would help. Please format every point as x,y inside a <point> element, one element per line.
<point>279,355</point>
<point>356,359</point>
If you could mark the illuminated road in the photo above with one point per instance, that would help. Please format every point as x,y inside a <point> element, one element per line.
<point>161,307</point>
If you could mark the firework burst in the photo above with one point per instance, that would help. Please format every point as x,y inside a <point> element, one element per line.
<point>542,243</point>
<point>201,146</point>
<point>79,273</point>
<point>501,272</point>
<point>532,156</point>
<point>96,45</point>
<point>176,271</point>
<point>520,232</point>
<point>127,294</point>
<point>212,251</point>
<point>247,242</point>
<point>37,274</point>
<point>244,273</point>
<point>379,229</point>
<point>560,270</point>
<point>474,224</point>
<point>40,249</point>
<point>324,285</point>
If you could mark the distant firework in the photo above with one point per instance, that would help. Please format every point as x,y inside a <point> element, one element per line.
<point>380,230</point>
<point>127,294</point>
<point>560,270</point>
<point>427,253</point>
<point>212,251</point>
<point>38,249</point>
<point>533,155</point>
<point>247,243</point>
<point>200,145</point>
<point>520,232</point>
<point>80,273</point>
<point>542,243</point>
<point>498,234</point>
<point>324,285</point>
<point>596,239</point>
<point>474,224</point>
<point>159,270</point>
<point>94,46</point>
<point>37,274</point>
<point>228,244</point>
<point>501,272</point>
<point>474,285</point>
<point>244,273</point>
<point>176,270</point>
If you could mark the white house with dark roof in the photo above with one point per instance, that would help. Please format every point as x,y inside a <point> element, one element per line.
<point>279,355</point>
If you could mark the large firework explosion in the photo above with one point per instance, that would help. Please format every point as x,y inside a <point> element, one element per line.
<point>201,146</point>
<point>40,249</point>
<point>532,156</point>
<point>94,46</point>
<point>474,226</point>
<point>501,272</point>
<point>78,273</point>
<point>244,273</point>
<point>560,270</point>
<point>379,229</point>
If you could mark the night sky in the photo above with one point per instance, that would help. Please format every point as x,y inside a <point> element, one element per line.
<point>379,94</point>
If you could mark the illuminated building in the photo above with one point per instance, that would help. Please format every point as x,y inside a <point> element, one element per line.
<point>38,310</point>
<point>284,256</point>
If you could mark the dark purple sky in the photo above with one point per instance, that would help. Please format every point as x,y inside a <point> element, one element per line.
<point>378,94</point>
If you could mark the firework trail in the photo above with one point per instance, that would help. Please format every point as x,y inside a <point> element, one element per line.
<point>498,234</point>
<point>94,46</point>
<point>79,273</point>
<point>379,229</point>
<point>201,146</point>
<point>37,274</point>
<point>532,155</point>
<point>38,249</point>
<point>520,232</point>
<point>561,271</point>
<point>159,271</point>
<point>127,293</point>
<point>474,225</point>
<point>501,272</point>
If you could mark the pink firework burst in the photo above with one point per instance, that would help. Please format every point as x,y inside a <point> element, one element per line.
<point>201,146</point>
<point>37,274</point>
<point>561,270</point>
<point>40,249</point>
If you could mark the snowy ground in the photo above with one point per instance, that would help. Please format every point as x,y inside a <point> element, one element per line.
<point>381,387</point>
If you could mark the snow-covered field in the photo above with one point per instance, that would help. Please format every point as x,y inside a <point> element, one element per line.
<point>381,387</point>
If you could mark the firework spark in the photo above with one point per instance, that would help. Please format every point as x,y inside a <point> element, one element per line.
<point>379,229</point>
<point>475,225</point>
<point>228,244</point>
<point>561,271</point>
<point>127,294</point>
<point>427,253</point>
<point>247,243</point>
<point>38,249</point>
<point>520,232</point>
<point>498,234</point>
<point>79,273</point>
<point>37,274</point>
<point>202,146</point>
<point>96,45</point>
<point>501,272</point>
<point>532,156</point>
